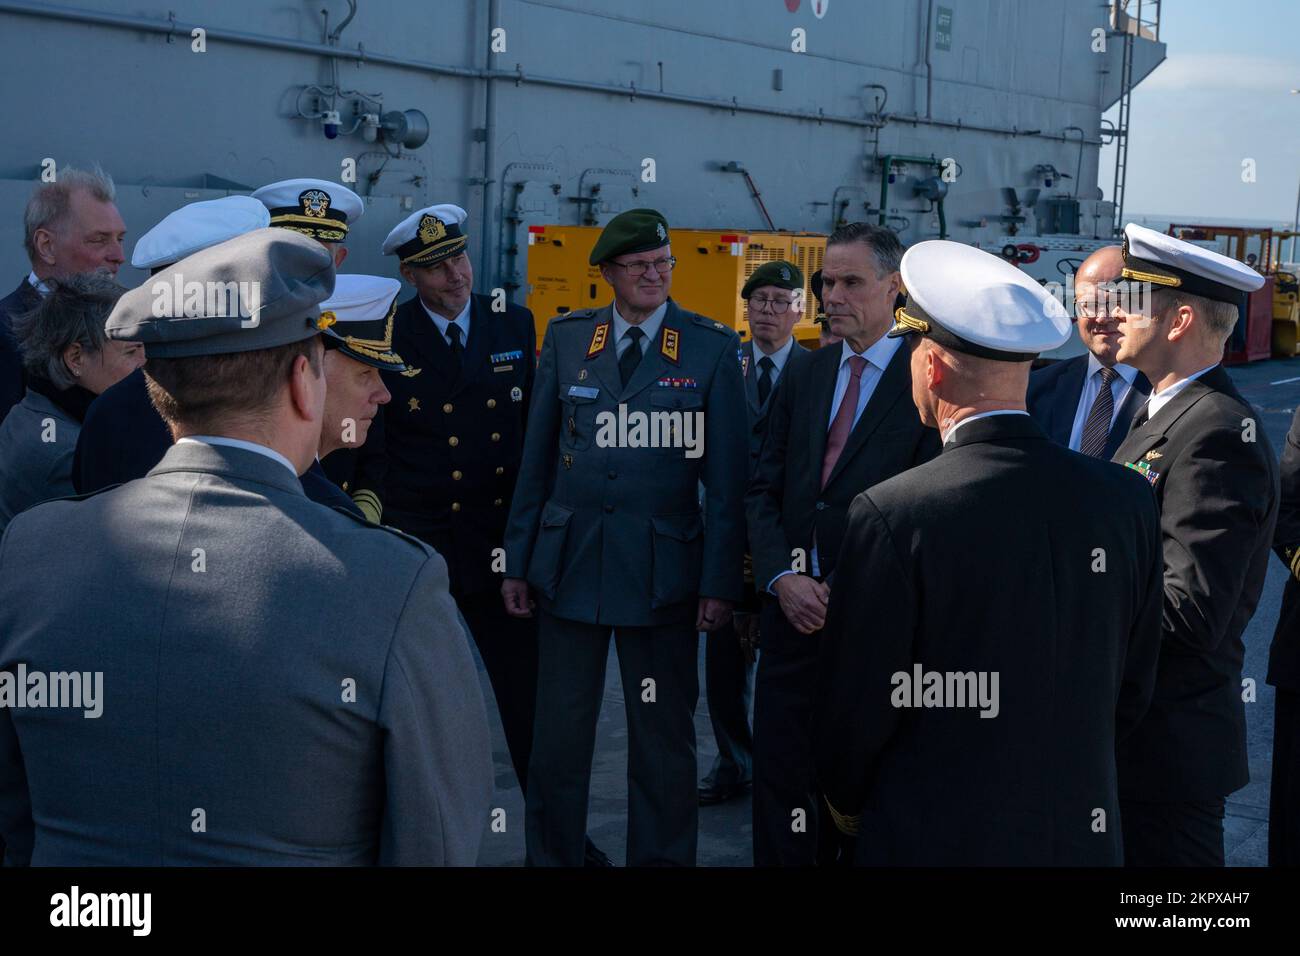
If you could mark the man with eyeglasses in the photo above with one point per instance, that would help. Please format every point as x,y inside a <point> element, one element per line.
<point>1087,403</point>
<point>635,406</point>
<point>773,299</point>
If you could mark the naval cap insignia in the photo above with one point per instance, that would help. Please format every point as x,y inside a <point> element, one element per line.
<point>431,229</point>
<point>315,203</point>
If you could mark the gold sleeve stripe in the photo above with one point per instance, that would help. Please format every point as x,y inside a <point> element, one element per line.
<point>846,824</point>
<point>369,504</point>
<point>1294,554</point>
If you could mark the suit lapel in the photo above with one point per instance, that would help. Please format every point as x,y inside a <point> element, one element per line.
<point>1069,389</point>
<point>750,370</point>
<point>822,399</point>
<point>1133,401</point>
<point>1154,430</point>
<point>895,380</point>
<point>605,365</point>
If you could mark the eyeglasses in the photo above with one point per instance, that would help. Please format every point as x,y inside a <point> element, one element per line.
<point>1101,305</point>
<point>775,306</point>
<point>662,266</point>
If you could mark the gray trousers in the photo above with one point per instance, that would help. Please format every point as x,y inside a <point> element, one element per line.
<point>662,802</point>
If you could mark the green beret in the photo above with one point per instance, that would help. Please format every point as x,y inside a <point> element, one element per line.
<point>637,230</point>
<point>782,274</point>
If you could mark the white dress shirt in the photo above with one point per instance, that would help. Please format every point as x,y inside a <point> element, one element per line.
<point>878,357</point>
<point>779,358</point>
<point>1119,390</point>
<point>970,418</point>
<point>240,443</point>
<point>650,327</point>
<point>443,324</point>
<point>37,284</point>
<point>1158,400</point>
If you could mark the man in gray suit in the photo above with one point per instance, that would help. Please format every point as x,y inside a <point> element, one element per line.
<point>634,406</point>
<point>772,298</point>
<point>228,673</point>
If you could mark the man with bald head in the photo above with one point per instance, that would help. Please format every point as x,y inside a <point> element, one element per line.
<point>1067,398</point>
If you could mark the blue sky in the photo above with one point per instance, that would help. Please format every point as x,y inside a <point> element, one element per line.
<point>1220,97</point>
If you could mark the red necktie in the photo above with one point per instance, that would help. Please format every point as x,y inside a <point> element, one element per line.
<point>843,423</point>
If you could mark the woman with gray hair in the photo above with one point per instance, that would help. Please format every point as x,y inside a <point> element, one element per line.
<point>69,361</point>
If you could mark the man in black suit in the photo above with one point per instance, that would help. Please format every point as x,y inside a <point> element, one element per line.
<point>1284,669</point>
<point>454,437</point>
<point>1200,445</point>
<point>841,422</point>
<point>771,307</point>
<point>1053,639</point>
<point>1088,402</point>
<point>70,226</point>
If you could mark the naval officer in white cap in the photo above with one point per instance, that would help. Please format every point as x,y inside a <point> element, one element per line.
<point>1204,451</point>
<point>977,664</point>
<point>123,436</point>
<point>323,210</point>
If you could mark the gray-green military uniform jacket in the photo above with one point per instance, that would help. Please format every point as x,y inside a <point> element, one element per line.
<point>616,535</point>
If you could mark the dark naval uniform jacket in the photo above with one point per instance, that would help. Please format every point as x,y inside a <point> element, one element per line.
<point>1284,655</point>
<point>454,438</point>
<point>616,535</point>
<point>12,381</point>
<point>1216,478</point>
<point>299,675</point>
<point>1053,401</point>
<point>969,564</point>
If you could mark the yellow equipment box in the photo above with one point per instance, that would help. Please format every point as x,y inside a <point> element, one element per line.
<point>712,266</point>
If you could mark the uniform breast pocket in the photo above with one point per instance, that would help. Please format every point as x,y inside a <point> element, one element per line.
<point>678,558</point>
<point>577,418</point>
<point>676,423</point>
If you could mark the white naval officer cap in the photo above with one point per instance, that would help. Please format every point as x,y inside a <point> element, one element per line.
<point>1164,261</point>
<point>970,301</point>
<point>313,207</point>
<point>357,319</point>
<point>197,226</point>
<point>428,235</point>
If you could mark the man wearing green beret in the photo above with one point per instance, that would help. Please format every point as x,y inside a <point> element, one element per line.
<point>635,406</point>
<point>773,297</point>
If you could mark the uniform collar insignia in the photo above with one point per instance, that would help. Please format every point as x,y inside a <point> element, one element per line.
<point>599,339</point>
<point>670,345</point>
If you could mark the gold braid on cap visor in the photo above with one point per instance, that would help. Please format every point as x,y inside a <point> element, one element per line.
<point>910,322</point>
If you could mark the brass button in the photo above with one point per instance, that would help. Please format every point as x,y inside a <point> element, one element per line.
<point>447,408</point>
<point>456,476</point>
<point>453,441</point>
<point>497,502</point>
<point>496,436</point>
<point>492,403</point>
<point>500,470</point>
<point>455,506</point>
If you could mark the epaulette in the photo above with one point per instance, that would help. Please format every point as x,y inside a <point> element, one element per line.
<point>576,314</point>
<point>412,539</point>
<point>708,323</point>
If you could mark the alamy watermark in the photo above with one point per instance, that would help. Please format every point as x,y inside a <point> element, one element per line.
<point>662,429</point>
<point>922,688</point>
<point>75,690</point>
<point>174,298</point>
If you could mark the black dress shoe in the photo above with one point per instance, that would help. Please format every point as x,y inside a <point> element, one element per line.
<point>711,793</point>
<point>595,856</point>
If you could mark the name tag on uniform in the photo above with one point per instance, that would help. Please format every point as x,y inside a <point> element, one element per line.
<point>583,391</point>
<point>503,368</point>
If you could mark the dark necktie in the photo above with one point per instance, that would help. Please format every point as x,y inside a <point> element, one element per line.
<point>1096,427</point>
<point>457,349</point>
<point>765,378</point>
<point>631,357</point>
